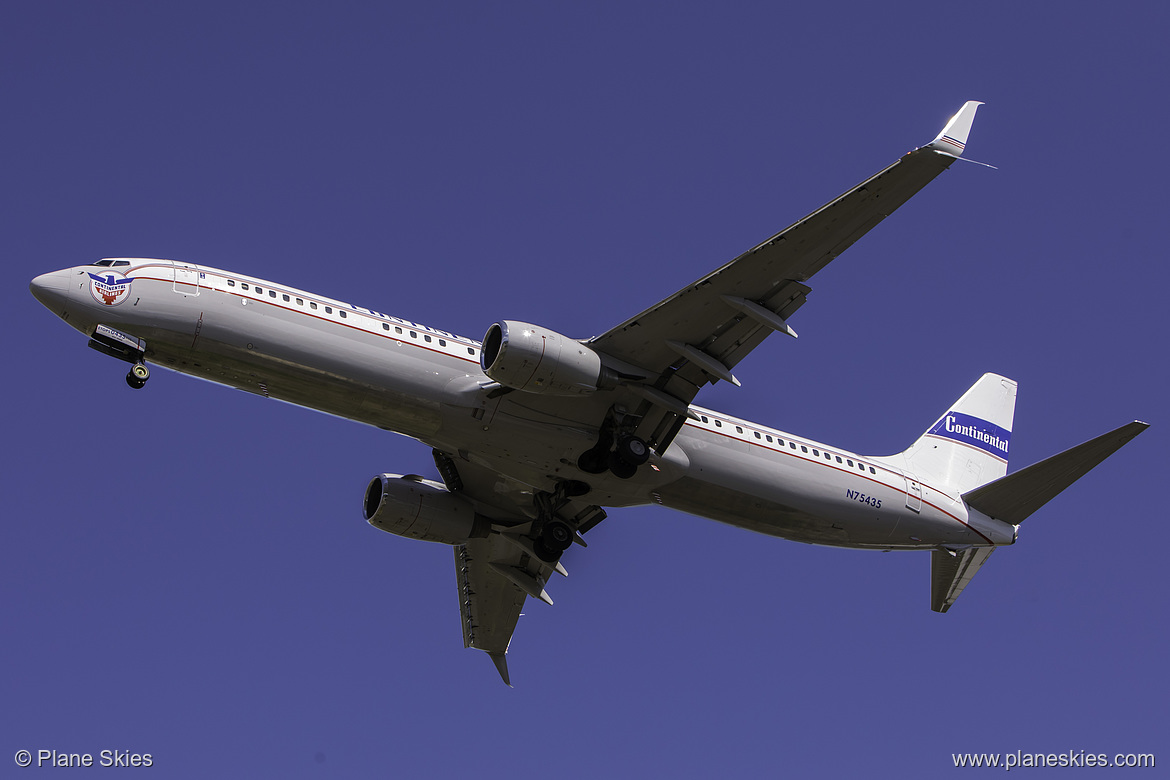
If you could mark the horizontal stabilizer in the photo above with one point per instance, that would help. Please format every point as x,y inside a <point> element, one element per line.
<point>951,571</point>
<point>1014,497</point>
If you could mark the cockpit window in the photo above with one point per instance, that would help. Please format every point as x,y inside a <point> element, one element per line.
<point>121,262</point>
<point>104,263</point>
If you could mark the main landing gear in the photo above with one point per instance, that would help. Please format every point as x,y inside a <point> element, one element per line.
<point>138,376</point>
<point>554,534</point>
<point>617,449</point>
<point>555,537</point>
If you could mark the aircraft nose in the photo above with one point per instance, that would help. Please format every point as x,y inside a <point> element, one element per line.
<point>50,288</point>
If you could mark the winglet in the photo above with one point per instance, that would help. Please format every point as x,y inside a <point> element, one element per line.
<point>953,138</point>
<point>501,662</point>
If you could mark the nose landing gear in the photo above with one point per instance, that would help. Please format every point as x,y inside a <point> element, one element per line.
<point>123,346</point>
<point>138,376</point>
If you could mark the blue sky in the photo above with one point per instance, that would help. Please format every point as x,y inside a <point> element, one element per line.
<point>185,570</point>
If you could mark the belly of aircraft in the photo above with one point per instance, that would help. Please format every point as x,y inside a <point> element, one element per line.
<point>698,497</point>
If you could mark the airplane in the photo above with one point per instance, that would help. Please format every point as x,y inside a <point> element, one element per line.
<point>535,435</point>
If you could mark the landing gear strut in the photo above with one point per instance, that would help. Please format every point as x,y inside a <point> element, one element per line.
<point>555,534</point>
<point>122,346</point>
<point>138,376</point>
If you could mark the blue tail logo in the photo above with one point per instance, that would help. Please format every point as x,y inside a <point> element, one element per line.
<point>965,429</point>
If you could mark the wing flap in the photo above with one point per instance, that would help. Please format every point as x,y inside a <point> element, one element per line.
<point>489,605</point>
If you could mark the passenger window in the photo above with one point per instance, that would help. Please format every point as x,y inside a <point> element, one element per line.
<point>817,453</point>
<point>398,330</point>
<point>442,342</point>
<point>792,444</point>
<point>339,311</point>
<point>839,460</point>
<point>871,471</point>
<point>803,448</point>
<point>385,326</point>
<point>703,418</point>
<point>272,293</point>
<point>758,436</point>
<point>427,339</point>
<point>300,302</point>
<point>328,309</point>
<point>738,429</point>
<point>470,350</point>
<point>769,438</point>
<point>231,282</point>
<point>850,463</point>
<point>285,297</point>
<point>312,305</point>
<point>718,424</point>
<point>413,335</point>
<point>259,290</point>
<point>828,456</point>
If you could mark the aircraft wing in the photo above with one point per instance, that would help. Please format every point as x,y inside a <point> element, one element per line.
<point>489,604</point>
<point>496,574</point>
<point>701,332</point>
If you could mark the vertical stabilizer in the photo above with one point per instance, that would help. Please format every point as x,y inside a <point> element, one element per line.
<point>968,446</point>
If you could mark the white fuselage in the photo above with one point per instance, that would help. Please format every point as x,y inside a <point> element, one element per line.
<point>313,351</point>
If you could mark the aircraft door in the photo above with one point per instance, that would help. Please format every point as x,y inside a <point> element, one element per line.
<point>186,278</point>
<point>913,493</point>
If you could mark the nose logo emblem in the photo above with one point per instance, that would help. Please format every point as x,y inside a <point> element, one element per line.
<point>110,289</point>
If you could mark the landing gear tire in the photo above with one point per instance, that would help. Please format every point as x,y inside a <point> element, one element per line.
<point>593,461</point>
<point>555,537</point>
<point>557,534</point>
<point>546,553</point>
<point>138,376</point>
<point>633,450</point>
<point>620,468</point>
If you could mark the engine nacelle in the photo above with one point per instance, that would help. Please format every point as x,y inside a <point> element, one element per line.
<point>538,360</point>
<point>421,509</point>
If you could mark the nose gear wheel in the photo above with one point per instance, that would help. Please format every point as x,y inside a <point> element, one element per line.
<point>138,376</point>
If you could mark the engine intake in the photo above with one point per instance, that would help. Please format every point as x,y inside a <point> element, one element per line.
<point>537,360</point>
<point>421,509</point>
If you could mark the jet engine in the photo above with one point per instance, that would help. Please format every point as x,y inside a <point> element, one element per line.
<point>537,360</point>
<point>421,509</point>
